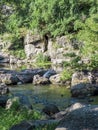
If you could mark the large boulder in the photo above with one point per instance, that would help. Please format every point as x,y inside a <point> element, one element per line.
<point>80,117</point>
<point>50,110</point>
<point>25,125</point>
<point>8,78</point>
<point>49,73</point>
<point>3,100</point>
<point>82,84</point>
<point>13,103</point>
<point>57,79</point>
<point>82,90</point>
<point>37,79</point>
<point>24,77</point>
<point>3,89</point>
<point>39,71</point>
<point>19,101</point>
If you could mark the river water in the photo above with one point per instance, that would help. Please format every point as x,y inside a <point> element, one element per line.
<point>39,95</point>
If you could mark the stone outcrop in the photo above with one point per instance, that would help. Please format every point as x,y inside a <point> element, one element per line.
<point>57,79</point>
<point>30,125</point>
<point>18,101</point>
<point>83,84</point>
<point>49,73</point>
<point>37,76</point>
<point>59,50</point>
<point>40,80</point>
<point>3,100</point>
<point>25,125</point>
<point>33,45</point>
<point>80,117</point>
<point>8,78</point>
<point>76,117</point>
<point>50,110</point>
<point>3,89</point>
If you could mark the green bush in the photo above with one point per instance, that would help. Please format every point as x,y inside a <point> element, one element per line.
<point>12,117</point>
<point>55,17</point>
<point>66,75</point>
<point>42,60</point>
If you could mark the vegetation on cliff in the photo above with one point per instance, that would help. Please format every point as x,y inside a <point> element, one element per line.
<point>76,18</point>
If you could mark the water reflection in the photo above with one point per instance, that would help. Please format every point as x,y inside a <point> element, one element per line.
<point>42,95</point>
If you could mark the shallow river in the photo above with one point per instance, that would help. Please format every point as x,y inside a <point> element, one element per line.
<point>39,96</point>
<point>43,95</point>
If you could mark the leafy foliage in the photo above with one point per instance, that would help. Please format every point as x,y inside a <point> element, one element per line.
<point>54,17</point>
<point>12,117</point>
<point>42,60</point>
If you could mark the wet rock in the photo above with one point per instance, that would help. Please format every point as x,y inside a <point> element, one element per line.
<point>3,89</point>
<point>95,91</point>
<point>3,100</point>
<point>25,125</point>
<point>19,101</point>
<point>49,73</point>
<point>80,117</point>
<point>31,125</point>
<point>39,71</point>
<point>13,103</point>
<point>24,77</point>
<point>4,60</point>
<point>40,80</point>
<point>50,110</point>
<point>82,90</point>
<point>5,71</point>
<point>1,57</point>
<point>82,84</point>
<point>55,79</point>
<point>8,78</point>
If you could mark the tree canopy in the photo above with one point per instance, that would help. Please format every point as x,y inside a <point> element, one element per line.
<point>56,17</point>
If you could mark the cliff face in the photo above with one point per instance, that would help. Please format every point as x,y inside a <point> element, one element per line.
<point>61,50</point>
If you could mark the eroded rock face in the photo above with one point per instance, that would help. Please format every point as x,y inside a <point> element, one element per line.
<point>33,45</point>
<point>80,117</point>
